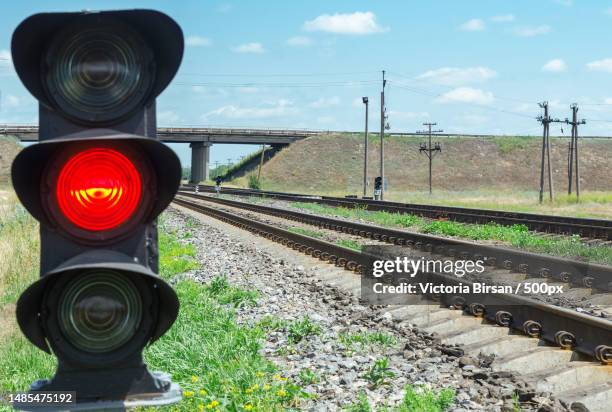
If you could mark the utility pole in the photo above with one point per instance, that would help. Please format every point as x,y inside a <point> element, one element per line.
<point>573,151</point>
<point>383,118</point>
<point>546,120</point>
<point>365,156</point>
<point>229,162</point>
<point>429,151</point>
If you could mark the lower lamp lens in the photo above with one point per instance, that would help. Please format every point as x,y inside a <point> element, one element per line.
<point>100,311</point>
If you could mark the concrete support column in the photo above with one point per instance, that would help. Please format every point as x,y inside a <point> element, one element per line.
<point>200,159</point>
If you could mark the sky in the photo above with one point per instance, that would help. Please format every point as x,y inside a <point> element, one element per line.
<point>478,66</point>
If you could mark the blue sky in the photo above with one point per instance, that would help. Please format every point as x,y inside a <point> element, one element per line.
<point>476,66</point>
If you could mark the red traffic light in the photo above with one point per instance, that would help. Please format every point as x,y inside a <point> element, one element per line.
<point>98,189</point>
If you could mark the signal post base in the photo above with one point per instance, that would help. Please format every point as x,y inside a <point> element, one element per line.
<point>171,394</point>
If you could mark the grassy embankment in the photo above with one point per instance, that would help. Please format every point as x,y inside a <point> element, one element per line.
<point>215,359</point>
<point>516,236</point>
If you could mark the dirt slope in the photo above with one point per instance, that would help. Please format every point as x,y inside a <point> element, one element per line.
<point>9,148</point>
<point>321,162</point>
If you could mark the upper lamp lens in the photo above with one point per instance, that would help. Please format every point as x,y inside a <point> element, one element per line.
<point>98,189</point>
<point>99,73</point>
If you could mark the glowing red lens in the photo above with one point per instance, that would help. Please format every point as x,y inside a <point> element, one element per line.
<point>98,189</point>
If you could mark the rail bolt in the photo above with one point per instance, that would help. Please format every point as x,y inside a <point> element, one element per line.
<point>477,309</point>
<point>507,264</point>
<point>342,261</point>
<point>532,328</point>
<point>523,268</point>
<point>325,256</point>
<point>429,247</point>
<point>351,265</point>
<point>603,354</point>
<point>503,318</point>
<point>565,277</point>
<point>587,281</point>
<point>458,302</point>
<point>565,339</point>
<point>545,273</point>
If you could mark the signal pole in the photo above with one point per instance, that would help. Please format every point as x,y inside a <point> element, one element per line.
<point>365,156</point>
<point>573,151</point>
<point>428,150</point>
<point>546,120</point>
<point>383,117</point>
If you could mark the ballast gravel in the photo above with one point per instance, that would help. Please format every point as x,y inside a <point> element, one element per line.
<point>290,291</point>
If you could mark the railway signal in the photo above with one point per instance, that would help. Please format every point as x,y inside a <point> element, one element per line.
<point>96,182</point>
<point>378,187</point>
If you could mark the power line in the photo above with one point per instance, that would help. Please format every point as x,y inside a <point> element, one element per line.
<point>276,75</point>
<point>305,84</point>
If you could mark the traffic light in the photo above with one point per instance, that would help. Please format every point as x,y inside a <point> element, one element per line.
<point>96,182</point>
<point>378,183</point>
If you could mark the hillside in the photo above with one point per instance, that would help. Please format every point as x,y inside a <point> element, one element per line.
<point>335,163</point>
<point>9,148</point>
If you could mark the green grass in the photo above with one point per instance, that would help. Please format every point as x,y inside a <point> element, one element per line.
<point>509,144</point>
<point>306,232</point>
<point>365,339</point>
<point>349,244</point>
<point>299,329</point>
<point>416,399</point>
<point>20,362</point>
<point>517,235</point>
<point>379,372</point>
<point>215,359</point>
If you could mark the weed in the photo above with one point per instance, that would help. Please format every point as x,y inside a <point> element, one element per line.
<point>426,400</point>
<point>367,338</point>
<point>308,377</point>
<point>299,329</point>
<point>361,404</point>
<point>349,244</point>
<point>379,372</point>
<point>254,183</point>
<point>306,232</point>
<point>271,323</point>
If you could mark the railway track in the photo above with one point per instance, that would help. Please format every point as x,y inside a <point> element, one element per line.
<point>564,343</point>
<point>587,228</point>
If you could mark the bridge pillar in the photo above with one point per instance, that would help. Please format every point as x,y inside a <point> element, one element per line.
<point>200,159</point>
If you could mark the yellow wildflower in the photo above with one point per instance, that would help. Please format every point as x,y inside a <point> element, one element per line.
<point>266,387</point>
<point>188,394</point>
<point>259,375</point>
<point>255,387</point>
<point>248,407</point>
<point>202,392</point>
<point>201,408</point>
<point>194,379</point>
<point>282,393</point>
<point>277,377</point>
<point>212,404</point>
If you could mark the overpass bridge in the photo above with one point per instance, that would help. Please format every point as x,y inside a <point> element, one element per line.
<point>200,140</point>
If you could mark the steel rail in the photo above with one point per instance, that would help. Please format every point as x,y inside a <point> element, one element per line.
<point>584,227</point>
<point>561,269</point>
<point>561,327</point>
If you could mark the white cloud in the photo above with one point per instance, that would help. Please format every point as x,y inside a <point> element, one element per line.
<point>466,95</point>
<point>10,101</point>
<point>279,108</point>
<point>248,89</point>
<point>608,100</point>
<point>397,115</point>
<point>455,76</point>
<point>299,41</point>
<point>198,89</point>
<point>603,65</point>
<point>5,55</point>
<point>168,117</point>
<point>345,23</point>
<point>256,48</point>
<point>197,41</point>
<point>532,31</point>
<point>503,18</point>
<point>608,11</point>
<point>325,102</point>
<point>473,25</point>
<point>555,65</point>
